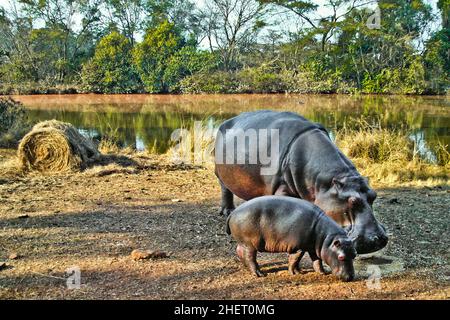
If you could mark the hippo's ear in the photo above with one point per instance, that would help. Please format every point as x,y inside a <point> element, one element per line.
<point>371,196</point>
<point>337,183</point>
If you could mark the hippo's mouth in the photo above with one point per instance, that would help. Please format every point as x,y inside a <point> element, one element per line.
<point>349,228</point>
<point>369,244</point>
<point>365,243</point>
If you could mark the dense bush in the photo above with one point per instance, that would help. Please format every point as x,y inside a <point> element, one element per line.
<point>407,80</point>
<point>13,122</point>
<point>110,70</point>
<point>263,79</point>
<point>215,82</point>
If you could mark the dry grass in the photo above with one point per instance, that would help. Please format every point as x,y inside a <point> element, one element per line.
<point>194,145</point>
<point>376,145</point>
<point>390,158</point>
<point>53,147</point>
<point>108,146</point>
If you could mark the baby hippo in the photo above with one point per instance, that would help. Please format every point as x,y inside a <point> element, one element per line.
<point>295,226</point>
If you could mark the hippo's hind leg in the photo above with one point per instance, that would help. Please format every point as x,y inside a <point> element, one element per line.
<point>227,201</point>
<point>294,262</point>
<point>317,263</point>
<point>249,259</point>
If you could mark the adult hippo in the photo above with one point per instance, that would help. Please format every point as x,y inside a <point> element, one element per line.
<point>307,164</point>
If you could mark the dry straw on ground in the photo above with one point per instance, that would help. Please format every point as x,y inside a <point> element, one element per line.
<point>54,146</point>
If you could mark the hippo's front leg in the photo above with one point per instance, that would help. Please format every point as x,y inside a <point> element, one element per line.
<point>317,263</point>
<point>227,201</point>
<point>294,262</point>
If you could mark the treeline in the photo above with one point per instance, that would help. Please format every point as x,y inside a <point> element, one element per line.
<point>224,46</point>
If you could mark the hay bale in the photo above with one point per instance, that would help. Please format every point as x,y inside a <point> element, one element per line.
<point>54,146</point>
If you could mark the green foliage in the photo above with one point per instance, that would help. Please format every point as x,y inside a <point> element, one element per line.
<point>437,61</point>
<point>334,54</point>
<point>262,79</point>
<point>155,53</point>
<point>185,62</point>
<point>13,122</point>
<point>407,80</point>
<point>165,57</point>
<point>110,70</point>
<point>214,82</point>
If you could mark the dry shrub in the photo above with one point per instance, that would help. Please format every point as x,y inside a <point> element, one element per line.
<point>390,157</point>
<point>108,146</point>
<point>441,152</point>
<point>376,145</point>
<point>54,146</point>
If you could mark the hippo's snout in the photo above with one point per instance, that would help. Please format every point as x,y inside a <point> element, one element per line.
<point>346,273</point>
<point>370,243</point>
<point>347,277</point>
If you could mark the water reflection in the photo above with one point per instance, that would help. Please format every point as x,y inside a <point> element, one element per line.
<point>146,121</point>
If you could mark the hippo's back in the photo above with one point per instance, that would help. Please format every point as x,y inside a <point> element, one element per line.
<point>263,119</point>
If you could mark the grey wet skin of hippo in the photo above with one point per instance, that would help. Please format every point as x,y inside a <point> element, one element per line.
<point>295,226</point>
<point>308,166</point>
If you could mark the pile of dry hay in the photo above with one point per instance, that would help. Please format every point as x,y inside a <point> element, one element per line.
<point>54,146</point>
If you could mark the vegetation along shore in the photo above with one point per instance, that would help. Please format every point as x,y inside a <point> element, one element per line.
<point>220,46</point>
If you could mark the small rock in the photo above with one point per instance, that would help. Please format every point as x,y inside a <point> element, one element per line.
<point>13,256</point>
<point>158,254</point>
<point>177,200</point>
<point>139,254</point>
<point>394,201</point>
<point>23,216</point>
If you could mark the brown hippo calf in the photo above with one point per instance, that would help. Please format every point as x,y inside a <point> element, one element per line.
<point>295,226</point>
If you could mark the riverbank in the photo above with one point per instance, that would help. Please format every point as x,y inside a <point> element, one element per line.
<point>76,89</point>
<point>94,219</point>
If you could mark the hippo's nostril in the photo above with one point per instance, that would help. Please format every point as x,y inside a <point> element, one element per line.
<point>383,240</point>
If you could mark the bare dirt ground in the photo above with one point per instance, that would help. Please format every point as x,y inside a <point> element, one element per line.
<point>94,219</point>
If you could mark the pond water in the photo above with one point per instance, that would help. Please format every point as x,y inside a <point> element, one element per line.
<point>147,121</point>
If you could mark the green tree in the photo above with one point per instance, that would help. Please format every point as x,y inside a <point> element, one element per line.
<point>153,56</point>
<point>437,53</point>
<point>110,70</point>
